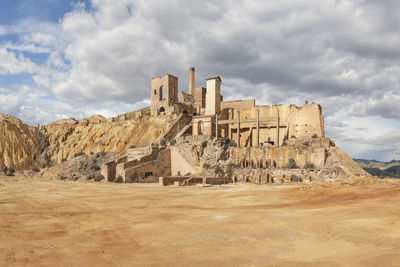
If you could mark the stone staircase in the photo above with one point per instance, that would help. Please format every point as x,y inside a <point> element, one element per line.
<point>183,121</point>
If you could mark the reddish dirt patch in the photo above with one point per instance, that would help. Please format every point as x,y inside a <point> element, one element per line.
<point>91,224</point>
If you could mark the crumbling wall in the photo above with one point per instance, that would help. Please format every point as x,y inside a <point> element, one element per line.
<point>164,94</point>
<point>203,125</point>
<point>161,166</point>
<point>186,98</point>
<point>238,104</point>
<point>200,98</point>
<point>305,121</point>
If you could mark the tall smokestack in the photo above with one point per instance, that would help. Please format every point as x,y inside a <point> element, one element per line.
<point>191,81</point>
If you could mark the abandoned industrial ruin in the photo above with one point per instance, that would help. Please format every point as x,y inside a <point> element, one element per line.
<point>257,142</point>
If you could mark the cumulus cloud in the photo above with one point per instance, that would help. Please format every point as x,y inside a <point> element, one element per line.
<point>101,58</point>
<point>12,63</point>
<point>385,104</point>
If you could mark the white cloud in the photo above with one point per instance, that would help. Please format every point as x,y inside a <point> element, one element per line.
<point>9,103</point>
<point>39,38</point>
<point>3,30</point>
<point>10,63</point>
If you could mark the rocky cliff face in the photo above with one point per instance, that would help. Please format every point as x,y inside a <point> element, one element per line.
<point>316,157</point>
<point>23,146</point>
<point>18,143</point>
<point>68,137</point>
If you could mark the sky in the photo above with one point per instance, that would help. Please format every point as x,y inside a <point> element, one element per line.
<point>66,58</point>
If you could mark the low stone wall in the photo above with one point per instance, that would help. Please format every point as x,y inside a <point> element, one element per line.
<point>279,176</point>
<point>194,140</point>
<point>194,180</point>
<point>217,180</point>
<point>180,180</point>
<point>139,152</point>
<point>161,166</point>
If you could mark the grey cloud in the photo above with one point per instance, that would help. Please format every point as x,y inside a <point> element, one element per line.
<point>384,105</point>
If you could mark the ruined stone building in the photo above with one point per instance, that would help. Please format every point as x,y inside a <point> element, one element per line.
<point>240,120</point>
<point>265,136</point>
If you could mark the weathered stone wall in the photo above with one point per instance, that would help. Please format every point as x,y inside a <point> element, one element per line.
<point>238,104</point>
<point>306,120</point>
<point>164,93</point>
<point>200,97</point>
<point>139,152</point>
<point>203,125</point>
<point>159,167</point>
<point>186,98</point>
<point>300,122</point>
<point>193,180</point>
<point>108,170</point>
<point>213,96</point>
<point>277,176</point>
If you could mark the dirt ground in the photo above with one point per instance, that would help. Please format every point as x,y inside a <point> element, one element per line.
<point>56,223</point>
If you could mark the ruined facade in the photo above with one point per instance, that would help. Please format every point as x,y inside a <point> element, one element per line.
<point>164,96</point>
<point>200,114</point>
<point>245,122</point>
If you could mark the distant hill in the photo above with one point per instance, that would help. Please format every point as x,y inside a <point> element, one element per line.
<point>380,168</point>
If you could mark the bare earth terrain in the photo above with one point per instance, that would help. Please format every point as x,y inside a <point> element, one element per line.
<point>55,223</point>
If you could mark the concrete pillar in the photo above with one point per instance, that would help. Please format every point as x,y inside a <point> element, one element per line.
<point>230,125</point>
<point>216,126</point>
<point>238,128</point>
<point>277,129</point>
<point>191,81</point>
<point>258,129</point>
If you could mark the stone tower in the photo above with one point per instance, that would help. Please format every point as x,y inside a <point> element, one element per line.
<point>164,89</point>
<point>164,94</point>
<point>213,96</point>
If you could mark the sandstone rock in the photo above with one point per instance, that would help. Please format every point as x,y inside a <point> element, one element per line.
<point>21,145</point>
<point>17,143</point>
<point>70,121</point>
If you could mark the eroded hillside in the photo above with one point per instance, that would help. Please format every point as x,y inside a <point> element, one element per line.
<point>18,144</point>
<point>68,137</point>
<point>23,146</point>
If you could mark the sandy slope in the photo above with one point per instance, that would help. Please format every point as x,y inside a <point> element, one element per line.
<point>53,223</point>
<point>22,145</point>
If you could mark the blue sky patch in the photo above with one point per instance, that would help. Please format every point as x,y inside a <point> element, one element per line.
<point>8,81</point>
<point>48,10</point>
